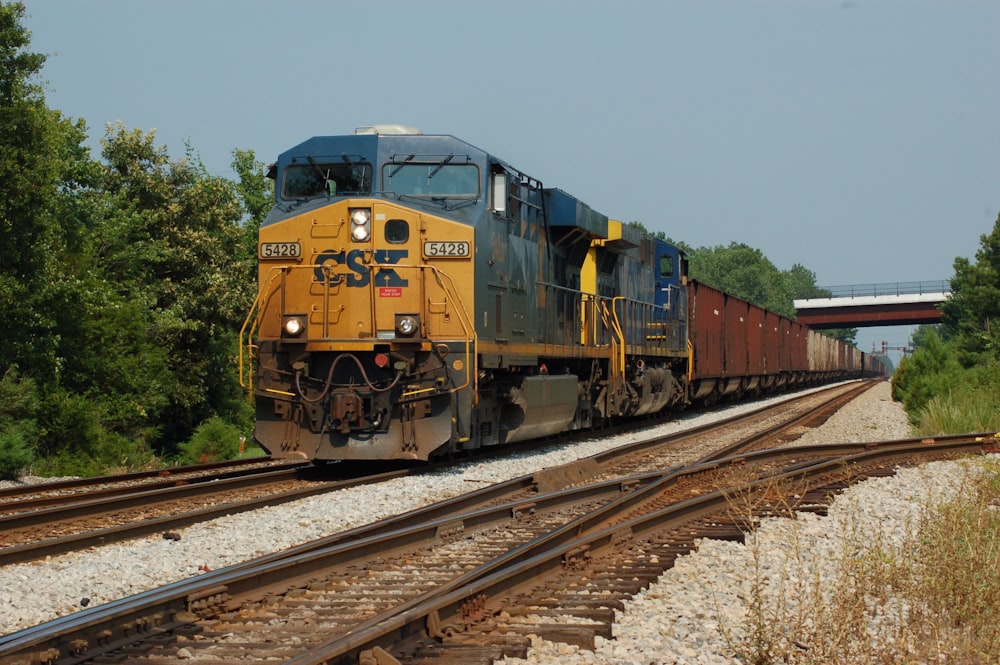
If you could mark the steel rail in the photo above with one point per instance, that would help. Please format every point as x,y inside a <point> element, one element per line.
<point>48,500</point>
<point>747,416</point>
<point>443,610</point>
<point>12,493</point>
<point>61,545</point>
<point>125,620</point>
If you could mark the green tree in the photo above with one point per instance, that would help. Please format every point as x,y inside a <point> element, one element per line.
<point>932,370</point>
<point>18,424</point>
<point>256,193</point>
<point>212,440</point>
<point>659,235</point>
<point>40,152</point>
<point>174,244</point>
<point>43,163</point>
<point>971,316</point>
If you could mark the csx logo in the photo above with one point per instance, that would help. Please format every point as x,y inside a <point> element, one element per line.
<point>358,273</point>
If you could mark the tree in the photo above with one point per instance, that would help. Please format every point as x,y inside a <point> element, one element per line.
<point>40,152</point>
<point>256,193</point>
<point>971,316</point>
<point>18,424</point>
<point>42,162</point>
<point>174,244</point>
<point>123,284</point>
<point>932,370</point>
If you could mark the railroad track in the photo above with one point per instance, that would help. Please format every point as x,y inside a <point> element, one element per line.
<point>197,616</point>
<point>87,522</point>
<point>74,514</point>
<point>67,487</point>
<point>449,579</point>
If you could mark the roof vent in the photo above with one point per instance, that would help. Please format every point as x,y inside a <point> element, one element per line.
<point>387,129</point>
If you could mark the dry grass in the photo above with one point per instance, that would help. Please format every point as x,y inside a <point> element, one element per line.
<point>931,598</point>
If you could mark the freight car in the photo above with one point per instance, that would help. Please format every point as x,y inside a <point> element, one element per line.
<point>421,297</point>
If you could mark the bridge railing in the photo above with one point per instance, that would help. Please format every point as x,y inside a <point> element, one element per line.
<point>889,289</point>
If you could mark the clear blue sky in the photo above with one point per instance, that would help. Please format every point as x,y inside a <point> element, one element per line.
<point>858,138</point>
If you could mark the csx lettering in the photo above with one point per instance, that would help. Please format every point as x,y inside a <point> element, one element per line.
<point>357,273</point>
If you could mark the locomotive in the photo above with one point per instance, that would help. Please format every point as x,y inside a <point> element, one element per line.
<point>420,297</point>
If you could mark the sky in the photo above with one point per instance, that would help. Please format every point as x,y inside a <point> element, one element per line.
<point>857,138</point>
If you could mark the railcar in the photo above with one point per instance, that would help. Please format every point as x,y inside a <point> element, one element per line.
<point>420,297</point>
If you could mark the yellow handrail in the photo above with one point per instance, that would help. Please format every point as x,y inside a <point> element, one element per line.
<point>248,330</point>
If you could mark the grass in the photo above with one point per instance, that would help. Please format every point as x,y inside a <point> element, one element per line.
<point>960,413</point>
<point>930,596</point>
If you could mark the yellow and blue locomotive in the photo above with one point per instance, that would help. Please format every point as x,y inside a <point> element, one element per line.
<point>421,297</point>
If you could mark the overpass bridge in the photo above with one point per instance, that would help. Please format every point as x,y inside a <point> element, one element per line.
<point>860,306</point>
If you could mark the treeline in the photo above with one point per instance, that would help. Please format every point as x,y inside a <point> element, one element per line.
<point>124,281</point>
<point>951,382</point>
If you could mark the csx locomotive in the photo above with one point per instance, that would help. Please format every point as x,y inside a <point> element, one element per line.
<point>421,297</point>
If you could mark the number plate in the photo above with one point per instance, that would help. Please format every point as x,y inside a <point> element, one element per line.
<point>280,250</point>
<point>446,249</point>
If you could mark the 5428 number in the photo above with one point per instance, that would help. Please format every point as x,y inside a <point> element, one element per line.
<point>458,248</point>
<point>280,250</point>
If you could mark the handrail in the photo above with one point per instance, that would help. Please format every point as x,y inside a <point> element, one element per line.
<point>617,330</point>
<point>254,314</point>
<point>885,289</point>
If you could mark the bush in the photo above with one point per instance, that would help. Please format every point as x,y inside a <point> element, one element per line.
<point>932,370</point>
<point>972,405</point>
<point>213,440</point>
<point>18,425</point>
<point>79,442</point>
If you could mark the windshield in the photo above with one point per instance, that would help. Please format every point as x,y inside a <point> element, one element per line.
<point>432,180</point>
<point>312,179</point>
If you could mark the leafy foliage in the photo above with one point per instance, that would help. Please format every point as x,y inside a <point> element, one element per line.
<point>123,284</point>
<point>256,192</point>
<point>972,313</point>
<point>213,440</point>
<point>40,153</point>
<point>18,424</point>
<point>175,240</point>
<point>969,405</point>
<point>932,370</point>
<point>950,383</point>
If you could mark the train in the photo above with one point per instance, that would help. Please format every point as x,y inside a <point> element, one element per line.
<point>420,298</point>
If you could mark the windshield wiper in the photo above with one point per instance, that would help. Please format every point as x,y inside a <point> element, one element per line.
<point>464,203</point>
<point>440,166</point>
<point>324,176</point>
<point>426,200</point>
<point>400,165</point>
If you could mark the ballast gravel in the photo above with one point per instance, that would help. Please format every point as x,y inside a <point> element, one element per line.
<point>676,620</point>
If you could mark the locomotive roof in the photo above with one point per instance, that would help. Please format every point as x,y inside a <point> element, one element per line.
<point>379,147</point>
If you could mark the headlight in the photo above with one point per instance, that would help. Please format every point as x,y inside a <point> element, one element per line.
<point>293,326</point>
<point>407,324</point>
<point>361,224</point>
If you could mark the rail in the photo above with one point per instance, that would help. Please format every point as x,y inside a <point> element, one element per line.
<point>886,289</point>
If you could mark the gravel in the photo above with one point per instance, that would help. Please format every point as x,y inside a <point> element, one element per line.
<point>670,617</point>
<point>696,612</point>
